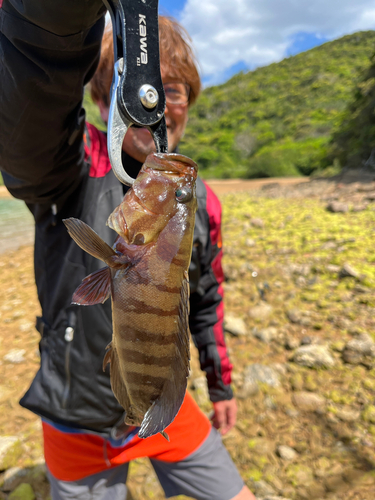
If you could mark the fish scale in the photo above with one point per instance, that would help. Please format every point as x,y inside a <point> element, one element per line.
<point>146,277</point>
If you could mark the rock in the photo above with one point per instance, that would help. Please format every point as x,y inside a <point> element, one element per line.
<point>250,243</point>
<point>199,386</point>
<point>23,492</point>
<point>257,373</point>
<point>357,350</point>
<point>313,356</point>
<point>257,222</point>
<point>337,207</point>
<point>234,325</point>
<point>300,281</point>
<point>247,390</point>
<point>308,340</point>
<point>298,317</point>
<point>263,489</point>
<point>347,271</point>
<point>359,207</point>
<point>308,401</point>
<point>332,268</point>
<point>12,477</point>
<point>261,311</point>
<point>281,368</point>
<point>269,403</point>
<point>291,343</point>
<point>286,452</point>
<point>334,483</point>
<point>15,356</point>
<point>348,414</point>
<point>292,413</point>
<point>329,245</point>
<point>265,334</point>
<point>9,451</point>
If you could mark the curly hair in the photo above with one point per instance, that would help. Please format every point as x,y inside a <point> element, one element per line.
<point>176,56</point>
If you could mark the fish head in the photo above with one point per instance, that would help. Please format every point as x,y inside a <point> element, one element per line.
<point>164,188</point>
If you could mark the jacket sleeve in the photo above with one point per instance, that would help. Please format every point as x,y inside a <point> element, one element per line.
<point>48,51</point>
<point>206,300</point>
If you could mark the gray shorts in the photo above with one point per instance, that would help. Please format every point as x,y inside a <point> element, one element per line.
<point>208,473</point>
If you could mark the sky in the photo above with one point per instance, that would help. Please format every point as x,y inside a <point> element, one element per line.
<point>234,35</point>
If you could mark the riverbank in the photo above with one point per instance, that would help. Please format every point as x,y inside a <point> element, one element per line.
<point>4,193</point>
<point>299,301</point>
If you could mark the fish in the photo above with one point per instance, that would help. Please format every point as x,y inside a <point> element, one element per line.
<point>146,276</point>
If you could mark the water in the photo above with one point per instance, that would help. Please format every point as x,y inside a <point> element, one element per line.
<point>16,225</point>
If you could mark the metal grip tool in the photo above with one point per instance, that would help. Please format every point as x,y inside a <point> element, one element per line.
<point>137,93</point>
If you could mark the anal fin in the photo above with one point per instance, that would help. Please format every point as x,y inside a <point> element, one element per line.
<point>118,386</point>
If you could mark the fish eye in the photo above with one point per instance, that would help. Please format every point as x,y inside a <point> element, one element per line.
<point>183,194</point>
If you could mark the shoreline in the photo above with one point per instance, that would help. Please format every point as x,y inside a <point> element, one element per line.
<point>4,193</point>
<point>223,186</point>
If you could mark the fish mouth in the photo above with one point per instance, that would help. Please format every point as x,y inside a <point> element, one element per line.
<point>157,161</point>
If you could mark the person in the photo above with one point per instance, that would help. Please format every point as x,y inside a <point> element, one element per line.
<point>59,166</point>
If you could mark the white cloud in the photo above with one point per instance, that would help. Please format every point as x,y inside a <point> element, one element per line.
<point>258,32</point>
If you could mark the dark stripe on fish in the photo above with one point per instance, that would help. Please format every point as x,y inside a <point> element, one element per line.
<point>140,307</point>
<point>140,380</point>
<point>149,359</point>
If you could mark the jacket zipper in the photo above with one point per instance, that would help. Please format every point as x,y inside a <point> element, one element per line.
<point>68,337</point>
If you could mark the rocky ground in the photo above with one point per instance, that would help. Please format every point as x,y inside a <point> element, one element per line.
<point>300,304</point>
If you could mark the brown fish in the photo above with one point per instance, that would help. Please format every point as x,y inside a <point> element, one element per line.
<point>146,275</point>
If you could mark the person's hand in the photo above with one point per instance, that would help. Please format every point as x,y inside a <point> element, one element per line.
<point>225,415</point>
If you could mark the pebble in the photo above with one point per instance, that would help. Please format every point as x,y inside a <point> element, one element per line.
<point>265,334</point>
<point>313,356</point>
<point>257,222</point>
<point>347,271</point>
<point>257,373</point>
<point>332,268</point>
<point>250,243</point>
<point>291,343</point>
<point>337,207</point>
<point>357,350</point>
<point>15,356</point>
<point>11,477</point>
<point>348,415</point>
<point>298,317</point>
<point>261,311</point>
<point>263,489</point>
<point>247,390</point>
<point>308,401</point>
<point>286,452</point>
<point>234,325</point>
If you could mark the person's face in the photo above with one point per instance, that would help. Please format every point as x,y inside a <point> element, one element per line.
<point>138,142</point>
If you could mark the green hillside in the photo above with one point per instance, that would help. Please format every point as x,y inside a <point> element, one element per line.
<point>278,120</point>
<point>353,143</point>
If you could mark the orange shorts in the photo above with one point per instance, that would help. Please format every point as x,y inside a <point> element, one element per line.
<point>71,456</point>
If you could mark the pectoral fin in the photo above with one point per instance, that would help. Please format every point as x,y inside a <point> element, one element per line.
<point>165,408</point>
<point>94,289</point>
<point>88,240</point>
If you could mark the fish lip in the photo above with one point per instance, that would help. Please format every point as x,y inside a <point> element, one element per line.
<point>170,157</point>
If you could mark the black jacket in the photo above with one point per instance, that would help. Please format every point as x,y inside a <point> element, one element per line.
<point>48,52</point>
